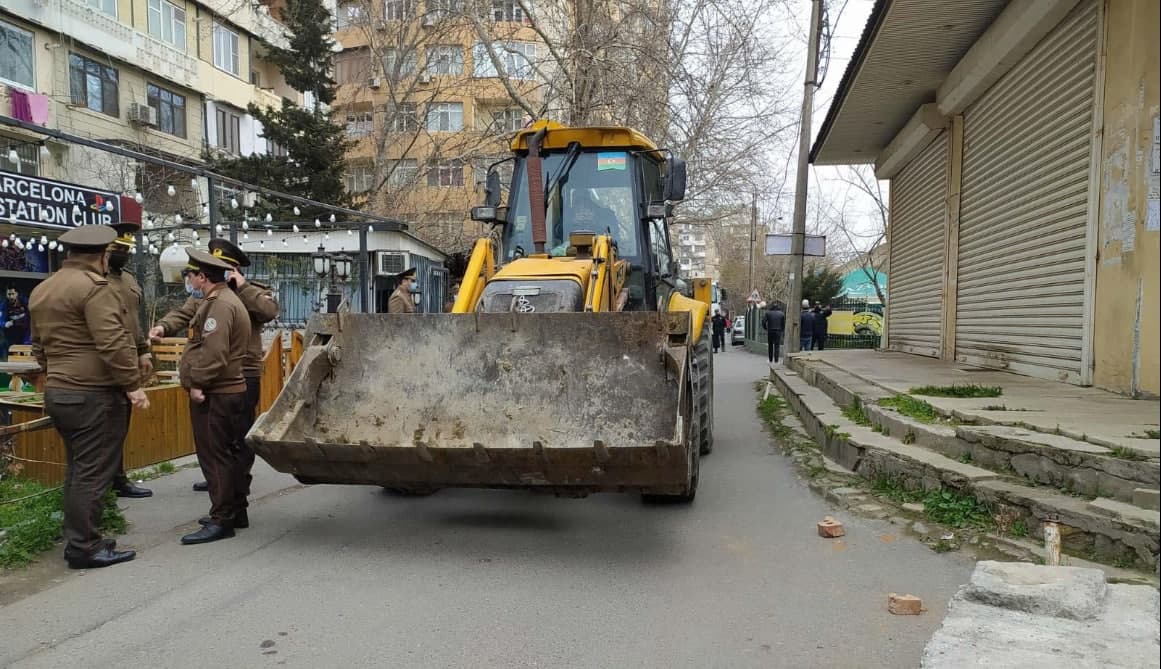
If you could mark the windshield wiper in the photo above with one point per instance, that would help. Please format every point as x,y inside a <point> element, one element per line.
<point>569,160</point>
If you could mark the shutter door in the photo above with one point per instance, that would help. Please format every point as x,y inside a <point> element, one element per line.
<point>1024,209</point>
<point>915,274</point>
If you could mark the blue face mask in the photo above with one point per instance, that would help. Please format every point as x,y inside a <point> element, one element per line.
<point>191,291</point>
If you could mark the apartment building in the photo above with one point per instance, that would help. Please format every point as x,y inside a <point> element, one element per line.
<point>694,250</point>
<point>169,77</point>
<point>430,105</point>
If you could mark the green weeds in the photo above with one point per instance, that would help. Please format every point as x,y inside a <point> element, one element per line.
<point>970,390</point>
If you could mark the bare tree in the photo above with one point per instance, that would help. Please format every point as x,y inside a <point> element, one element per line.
<point>855,211</point>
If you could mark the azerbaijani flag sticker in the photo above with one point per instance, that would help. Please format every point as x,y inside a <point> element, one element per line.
<point>611,161</point>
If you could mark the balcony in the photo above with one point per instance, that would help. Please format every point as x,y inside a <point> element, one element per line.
<point>266,97</point>
<point>161,58</point>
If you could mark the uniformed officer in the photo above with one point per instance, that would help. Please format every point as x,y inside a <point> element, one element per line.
<point>400,302</point>
<point>81,339</point>
<point>130,292</point>
<point>262,308</point>
<point>211,370</point>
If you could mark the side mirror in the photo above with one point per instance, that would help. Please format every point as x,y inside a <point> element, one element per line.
<point>490,214</point>
<point>675,180</point>
<point>492,189</point>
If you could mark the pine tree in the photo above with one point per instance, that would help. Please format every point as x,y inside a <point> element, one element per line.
<point>822,285</point>
<point>314,164</point>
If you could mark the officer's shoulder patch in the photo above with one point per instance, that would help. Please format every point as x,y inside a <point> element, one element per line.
<point>96,278</point>
<point>211,325</point>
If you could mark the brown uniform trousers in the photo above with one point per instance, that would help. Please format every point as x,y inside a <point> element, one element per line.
<point>212,363</point>
<point>130,292</point>
<point>262,308</point>
<point>400,303</point>
<point>80,338</point>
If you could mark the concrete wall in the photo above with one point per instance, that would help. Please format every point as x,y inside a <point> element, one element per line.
<point>1128,297</point>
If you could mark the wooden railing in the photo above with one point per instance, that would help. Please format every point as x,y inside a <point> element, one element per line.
<point>161,433</point>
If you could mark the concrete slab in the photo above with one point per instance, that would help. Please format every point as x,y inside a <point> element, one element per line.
<point>922,455</point>
<point>1089,414</point>
<point>1020,615</point>
<point>1126,512</point>
<point>1024,435</point>
<point>1147,499</point>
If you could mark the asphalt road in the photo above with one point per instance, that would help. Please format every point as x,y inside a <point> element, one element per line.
<point>348,577</point>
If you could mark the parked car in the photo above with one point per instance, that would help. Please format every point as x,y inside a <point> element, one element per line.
<point>738,333</point>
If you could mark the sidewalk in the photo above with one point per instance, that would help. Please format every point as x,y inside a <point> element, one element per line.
<point>1089,414</point>
<point>172,511</point>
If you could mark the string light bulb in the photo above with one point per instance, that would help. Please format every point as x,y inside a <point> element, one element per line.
<point>245,225</point>
<point>193,183</point>
<point>297,211</point>
<point>13,157</point>
<point>177,219</point>
<point>332,218</point>
<point>233,203</point>
<point>149,223</point>
<point>219,228</point>
<point>269,218</point>
<point>4,244</point>
<point>295,228</point>
<point>269,232</point>
<point>169,237</point>
<point>370,228</point>
<point>317,223</point>
<point>40,248</point>
<point>350,232</point>
<point>44,152</point>
<point>170,190</point>
<point>43,239</point>
<point>138,198</point>
<point>52,245</point>
<point>246,236</point>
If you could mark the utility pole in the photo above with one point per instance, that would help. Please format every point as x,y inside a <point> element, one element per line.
<point>753,227</point>
<point>798,238</point>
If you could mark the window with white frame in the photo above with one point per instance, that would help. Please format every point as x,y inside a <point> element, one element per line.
<point>27,157</point>
<point>17,58</point>
<point>403,172</point>
<point>480,170</point>
<point>398,10</point>
<point>104,6</point>
<point>360,178</point>
<point>446,174</point>
<point>404,117</point>
<point>350,14</point>
<point>226,56</point>
<point>360,123</point>
<point>399,63</point>
<point>445,60</point>
<point>507,10</point>
<point>515,57</point>
<point>167,22</point>
<point>445,117</point>
<point>442,8</point>
<point>501,120</point>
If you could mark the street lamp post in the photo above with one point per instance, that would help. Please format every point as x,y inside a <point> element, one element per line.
<point>335,268</point>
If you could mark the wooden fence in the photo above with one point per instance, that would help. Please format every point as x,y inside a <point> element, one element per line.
<point>161,433</point>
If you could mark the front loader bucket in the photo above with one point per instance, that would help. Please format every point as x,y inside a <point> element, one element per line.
<point>568,402</point>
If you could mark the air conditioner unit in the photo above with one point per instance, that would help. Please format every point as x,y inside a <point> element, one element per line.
<point>390,263</point>
<point>142,114</point>
<point>375,82</point>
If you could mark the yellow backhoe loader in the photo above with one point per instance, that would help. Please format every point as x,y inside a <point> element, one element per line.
<point>575,360</point>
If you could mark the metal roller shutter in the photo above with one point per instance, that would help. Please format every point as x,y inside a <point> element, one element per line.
<point>1027,144</point>
<point>918,194</point>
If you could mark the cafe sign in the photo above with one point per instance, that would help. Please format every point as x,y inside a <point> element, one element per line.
<point>46,203</point>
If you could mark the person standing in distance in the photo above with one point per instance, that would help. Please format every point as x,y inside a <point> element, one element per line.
<point>211,370</point>
<point>806,325</point>
<point>718,329</point>
<point>401,302</point>
<point>774,322</point>
<point>130,293</point>
<point>80,337</point>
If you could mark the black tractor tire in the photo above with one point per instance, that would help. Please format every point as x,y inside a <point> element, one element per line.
<point>420,491</point>
<point>702,378</point>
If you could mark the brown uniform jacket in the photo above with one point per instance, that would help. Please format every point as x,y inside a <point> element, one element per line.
<point>400,303</point>
<point>219,335</point>
<point>130,291</point>
<point>260,305</point>
<point>80,331</point>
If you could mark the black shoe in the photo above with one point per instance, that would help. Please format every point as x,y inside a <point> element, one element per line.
<point>106,556</point>
<point>208,533</point>
<point>128,489</point>
<point>201,486</point>
<point>241,520</point>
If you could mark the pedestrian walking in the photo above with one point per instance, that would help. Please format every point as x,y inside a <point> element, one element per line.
<point>819,334</point>
<point>774,322</point>
<point>806,324</point>
<point>130,293</point>
<point>262,308</point>
<point>400,301</point>
<point>81,339</point>
<point>211,370</point>
<point>718,325</point>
